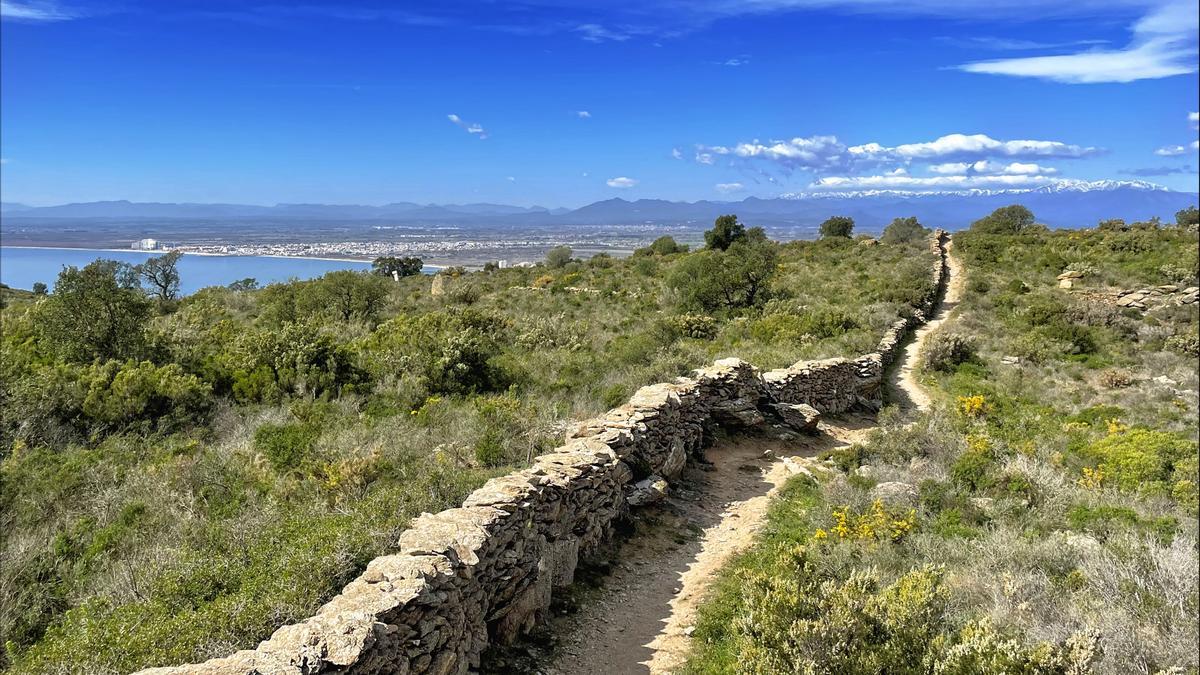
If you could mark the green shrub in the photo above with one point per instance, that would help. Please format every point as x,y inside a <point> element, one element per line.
<point>287,446</point>
<point>946,351</point>
<point>1140,459</point>
<point>973,469</point>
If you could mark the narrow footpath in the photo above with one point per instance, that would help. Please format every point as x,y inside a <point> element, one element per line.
<point>641,618</point>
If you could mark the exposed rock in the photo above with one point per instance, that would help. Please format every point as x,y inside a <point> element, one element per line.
<point>798,416</point>
<point>895,493</point>
<point>646,491</point>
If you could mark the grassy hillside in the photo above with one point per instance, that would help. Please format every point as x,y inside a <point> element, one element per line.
<point>180,477</point>
<point>1041,517</point>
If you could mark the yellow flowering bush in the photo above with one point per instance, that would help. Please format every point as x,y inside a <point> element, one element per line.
<point>877,524</point>
<point>1116,426</point>
<point>972,406</point>
<point>1093,479</point>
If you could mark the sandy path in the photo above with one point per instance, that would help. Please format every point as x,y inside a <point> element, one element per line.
<point>641,617</point>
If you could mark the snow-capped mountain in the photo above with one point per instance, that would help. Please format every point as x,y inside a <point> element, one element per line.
<point>1066,203</point>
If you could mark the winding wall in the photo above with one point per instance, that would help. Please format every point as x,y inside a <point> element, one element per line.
<point>485,572</point>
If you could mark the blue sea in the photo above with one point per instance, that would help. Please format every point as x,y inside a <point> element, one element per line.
<point>21,267</point>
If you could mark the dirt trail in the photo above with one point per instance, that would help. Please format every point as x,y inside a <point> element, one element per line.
<point>641,618</point>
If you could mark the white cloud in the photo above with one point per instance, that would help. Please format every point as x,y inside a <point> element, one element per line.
<point>511,179</point>
<point>469,127</point>
<point>583,114</point>
<point>34,11</point>
<point>950,168</point>
<point>621,182</point>
<point>676,153</point>
<point>949,154</point>
<point>974,145</point>
<point>1171,151</point>
<point>726,188</point>
<point>892,182</point>
<point>1164,44</point>
<point>735,61</point>
<point>1194,119</point>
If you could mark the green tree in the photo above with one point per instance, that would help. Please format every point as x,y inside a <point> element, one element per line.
<point>161,274</point>
<point>391,266</point>
<point>1188,217</point>
<point>725,231</point>
<point>739,277</point>
<point>97,312</point>
<point>837,226</point>
<point>345,295</point>
<point>558,256</point>
<point>1113,225</point>
<point>903,230</point>
<point>39,288</point>
<point>664,245</point>
<point>247,284</point>
<point>1013,219</point>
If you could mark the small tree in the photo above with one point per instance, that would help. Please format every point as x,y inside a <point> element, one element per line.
<point>344,294</point>
<point>666,245</point>
<point>558,257</point>
<point>161,274</point>
<point>391,266</point>
<point>726,230</point>
<point>97,312</point>
<point>247,284</point>
<point>837,226</point>
<point>739,277</point>
<point>1013,219</point>
<point>39,288</point>
<point>1189,217</point>
<point>1112,225</point>
<point>903,230</point>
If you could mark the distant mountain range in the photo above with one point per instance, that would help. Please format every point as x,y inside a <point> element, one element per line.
<point>1067,204</point>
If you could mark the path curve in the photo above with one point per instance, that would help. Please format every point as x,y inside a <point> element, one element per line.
<point>642,618</point>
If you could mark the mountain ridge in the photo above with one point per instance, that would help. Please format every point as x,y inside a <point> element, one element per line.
<point>1072,203</point>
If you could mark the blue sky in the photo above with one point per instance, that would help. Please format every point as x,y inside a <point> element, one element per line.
<point>564,102</point>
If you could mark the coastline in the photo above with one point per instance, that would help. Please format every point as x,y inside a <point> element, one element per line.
<point>212,255</point>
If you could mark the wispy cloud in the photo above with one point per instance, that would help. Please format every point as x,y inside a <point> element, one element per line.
<point>1164,44</point>
<point>676,153</point>
<point>621,182</point>
<point>726,188</point>
<point>469,127</point>
<point>1000,44</point>
<point>1194,119</point>
<point>583,114</point>
<point>1159,171</point>
<point>735,61</point>
<point>36,12</point>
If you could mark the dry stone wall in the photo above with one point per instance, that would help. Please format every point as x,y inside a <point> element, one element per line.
<point>485,572</point>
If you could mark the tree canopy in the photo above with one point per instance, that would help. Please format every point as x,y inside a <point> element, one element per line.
<point>161,274</point>
<point>391,266</point>
<point>903,230</point>
<point>739,277</point>
<point>837,226</point>
<point>97,312</point>
<point>726,230</point>
<point>1013,219</point>
<point>558,256</point>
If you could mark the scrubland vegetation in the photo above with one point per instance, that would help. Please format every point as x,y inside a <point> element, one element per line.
<point>1041,517</point>
<point>182,476</point>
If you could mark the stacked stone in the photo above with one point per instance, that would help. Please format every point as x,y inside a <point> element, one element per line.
<point>830,385</point>
<point>485,572</point>
<point>1165,294</point>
